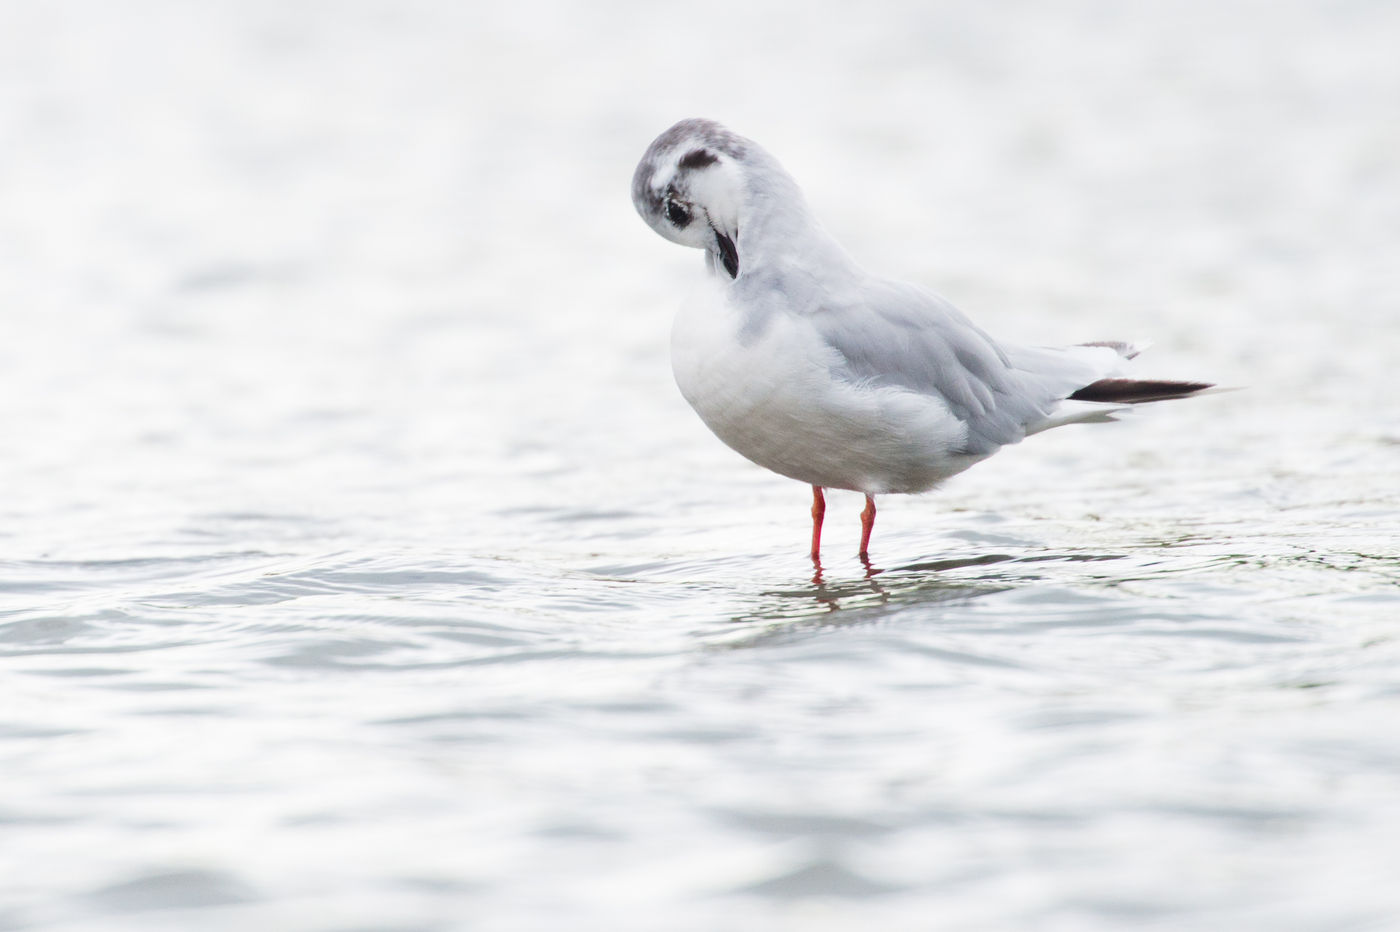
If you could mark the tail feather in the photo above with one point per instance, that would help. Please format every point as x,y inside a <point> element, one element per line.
<point>1125,350</point>
<point>1136,391</point>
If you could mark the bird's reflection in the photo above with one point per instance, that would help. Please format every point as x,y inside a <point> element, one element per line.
<point>831,600</point>
<point>819,574</point>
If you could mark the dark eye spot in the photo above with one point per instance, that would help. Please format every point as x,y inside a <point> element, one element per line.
<point>677,214</point>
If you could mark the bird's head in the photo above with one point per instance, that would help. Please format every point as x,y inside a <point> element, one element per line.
<point>690,187</point>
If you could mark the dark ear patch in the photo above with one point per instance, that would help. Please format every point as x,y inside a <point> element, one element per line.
<point>698,158</point>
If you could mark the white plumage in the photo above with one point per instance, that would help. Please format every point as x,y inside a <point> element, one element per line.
<point>811,367</point>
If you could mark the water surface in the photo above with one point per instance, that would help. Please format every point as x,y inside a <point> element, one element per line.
<point>360,567</point>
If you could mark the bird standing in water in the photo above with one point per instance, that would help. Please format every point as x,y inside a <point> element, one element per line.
<point>808,365</point>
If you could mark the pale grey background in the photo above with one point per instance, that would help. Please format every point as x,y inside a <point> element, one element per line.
<point>362,568</point>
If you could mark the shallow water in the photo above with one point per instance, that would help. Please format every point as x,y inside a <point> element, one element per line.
<point>360,567</point>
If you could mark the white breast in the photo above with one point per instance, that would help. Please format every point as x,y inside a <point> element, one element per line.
<point>775,397</point>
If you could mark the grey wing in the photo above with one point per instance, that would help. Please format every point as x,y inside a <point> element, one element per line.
<point>899,335</point>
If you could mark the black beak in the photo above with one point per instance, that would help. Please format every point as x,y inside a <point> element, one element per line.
<point>727,254</point>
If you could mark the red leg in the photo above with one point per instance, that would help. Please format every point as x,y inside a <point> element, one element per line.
<point>818,513</point>
<point>867,524</point>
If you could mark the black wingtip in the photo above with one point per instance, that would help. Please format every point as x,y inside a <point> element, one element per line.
<point>1137,391</point>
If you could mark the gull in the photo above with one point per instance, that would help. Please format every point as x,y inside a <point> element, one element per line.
<point>806,364</point>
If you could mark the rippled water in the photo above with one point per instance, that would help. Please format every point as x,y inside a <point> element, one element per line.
<point>360,567</point>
